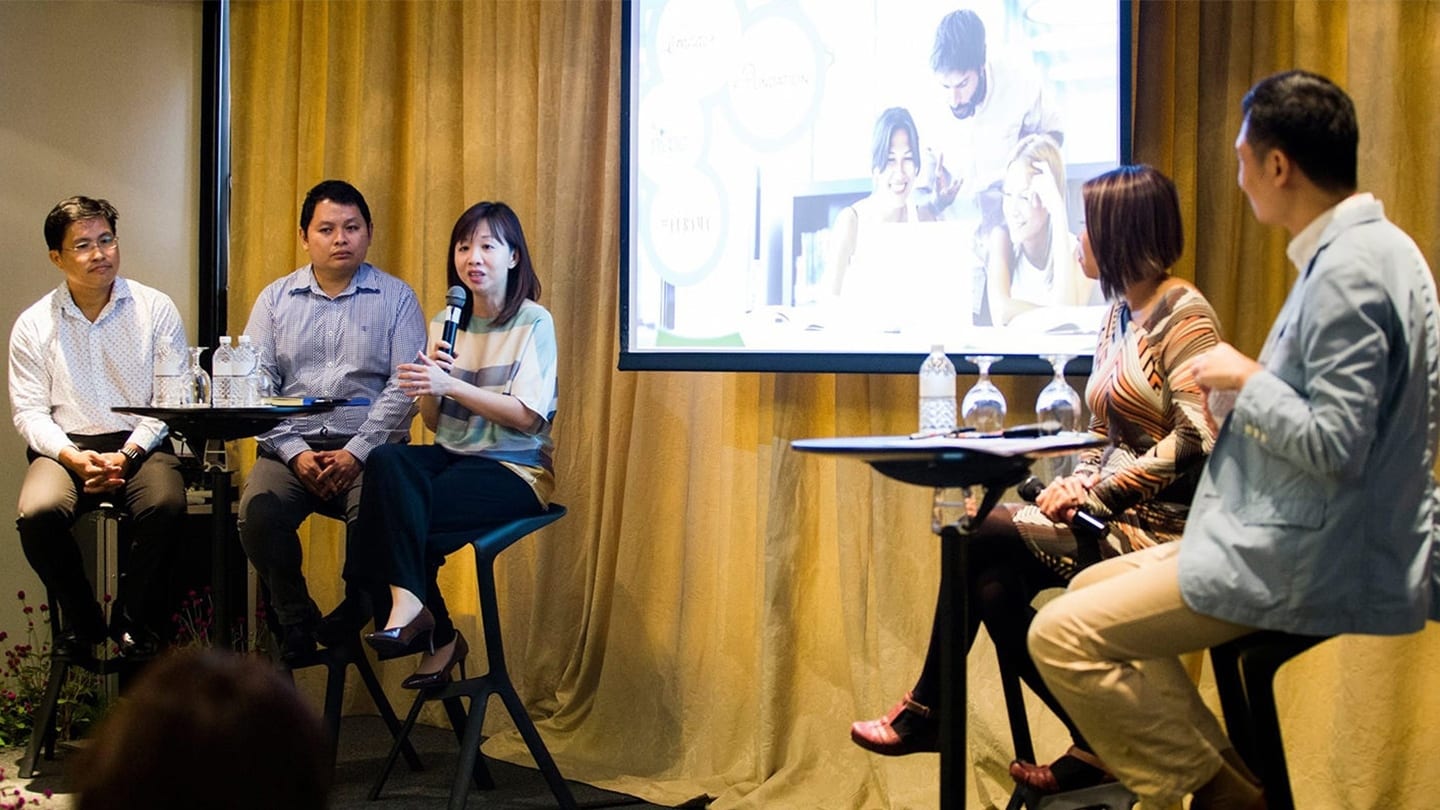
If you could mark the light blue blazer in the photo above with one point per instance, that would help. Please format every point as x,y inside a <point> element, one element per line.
<point>1316,509</point>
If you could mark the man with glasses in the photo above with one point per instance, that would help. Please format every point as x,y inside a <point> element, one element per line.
<point>87,346</point>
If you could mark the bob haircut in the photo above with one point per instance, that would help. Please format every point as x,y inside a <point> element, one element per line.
<point>1132,217</point>
<point>895,119</point>
<point>505,225</point>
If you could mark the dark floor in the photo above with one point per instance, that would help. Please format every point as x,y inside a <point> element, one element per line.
<point>364,743</point>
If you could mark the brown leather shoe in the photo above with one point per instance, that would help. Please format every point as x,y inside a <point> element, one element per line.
<point>1075,770</point>
<point>908,728</point>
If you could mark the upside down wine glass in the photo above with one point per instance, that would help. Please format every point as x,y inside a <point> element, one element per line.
<point>1058,402</point>
<point>199,388</point>
<point>984,405</point>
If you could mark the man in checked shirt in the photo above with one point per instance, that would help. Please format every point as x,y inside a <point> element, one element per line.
<point>336,327</point>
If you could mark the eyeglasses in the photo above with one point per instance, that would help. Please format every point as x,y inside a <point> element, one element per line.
<point>105,244</point>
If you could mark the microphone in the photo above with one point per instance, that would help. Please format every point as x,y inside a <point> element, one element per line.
<point>1049,427</point>
<point>454,302</point>
<point>1030,489</point>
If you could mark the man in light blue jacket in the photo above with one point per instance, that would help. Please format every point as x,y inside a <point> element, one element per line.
<point>1316,509</point>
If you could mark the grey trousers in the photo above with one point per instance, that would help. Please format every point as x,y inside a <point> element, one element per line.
<point>51,498</point>
<point>272,506</point>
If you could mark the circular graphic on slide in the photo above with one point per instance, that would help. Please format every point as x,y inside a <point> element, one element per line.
<point>685,223</point>
<point>775,88</point>
<point>695,44</point>
<point>671,133</point>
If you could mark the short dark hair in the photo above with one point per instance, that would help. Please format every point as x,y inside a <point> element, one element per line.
<point>336,191</point>
<point>71,210</point>
<point>959,43</point>
<point>890,122</point>
<point>505,225</point>
<point>207,727</point>
<point>1132,218</point>
<point>1311,120</point>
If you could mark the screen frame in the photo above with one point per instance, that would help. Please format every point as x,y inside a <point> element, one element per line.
<point>724,360</point>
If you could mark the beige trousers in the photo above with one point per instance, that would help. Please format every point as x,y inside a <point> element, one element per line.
<point>1109,649</point>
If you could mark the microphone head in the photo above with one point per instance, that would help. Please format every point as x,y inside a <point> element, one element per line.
<point>1030,488</point>
<point>455,297</point>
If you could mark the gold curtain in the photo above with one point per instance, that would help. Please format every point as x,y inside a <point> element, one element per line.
<point>716,608</point>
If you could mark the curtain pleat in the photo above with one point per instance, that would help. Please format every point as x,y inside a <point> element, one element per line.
<point>716,609</point>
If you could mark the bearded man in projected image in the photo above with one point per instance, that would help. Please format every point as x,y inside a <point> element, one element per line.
<point>993,104</point>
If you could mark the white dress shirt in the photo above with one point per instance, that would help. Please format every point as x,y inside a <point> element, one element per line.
<point>66,373</point>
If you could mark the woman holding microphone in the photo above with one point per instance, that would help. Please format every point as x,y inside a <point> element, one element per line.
<point>490,398</point>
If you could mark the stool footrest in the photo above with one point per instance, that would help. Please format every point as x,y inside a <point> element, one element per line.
<point>1109,796</point>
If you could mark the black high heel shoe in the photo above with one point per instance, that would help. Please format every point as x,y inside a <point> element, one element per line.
<point>426,680</point>
<point>417,636</point>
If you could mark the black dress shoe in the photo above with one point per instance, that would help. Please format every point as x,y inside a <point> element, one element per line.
<point>296,641</point>
<point>426,680</point>
<point>137,644</point>
<point>72,646</point>
<point>341,626</point>
<point>417,636</point>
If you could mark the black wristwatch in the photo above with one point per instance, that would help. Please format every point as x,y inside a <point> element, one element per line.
<point>134,455</point>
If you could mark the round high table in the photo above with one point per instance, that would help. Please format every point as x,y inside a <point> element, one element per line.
<point>992,464</point>
<point>199,425</point>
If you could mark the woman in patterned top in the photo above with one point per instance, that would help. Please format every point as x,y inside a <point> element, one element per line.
<point>490,399</point>
<point>1144,399</point>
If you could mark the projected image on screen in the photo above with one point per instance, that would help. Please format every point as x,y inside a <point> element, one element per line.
<point>860,177</point>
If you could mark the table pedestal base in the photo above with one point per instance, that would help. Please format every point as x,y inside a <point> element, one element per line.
<point>954,620</point>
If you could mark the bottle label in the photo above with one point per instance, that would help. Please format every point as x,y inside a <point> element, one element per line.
<point>937,385</point>
<point>169,365</point>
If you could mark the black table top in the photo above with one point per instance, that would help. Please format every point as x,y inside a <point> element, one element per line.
<point>202,422</point>
<point>951,462</point>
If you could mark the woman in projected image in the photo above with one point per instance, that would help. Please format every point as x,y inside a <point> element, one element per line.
<point>1144,399</point>
<point>1032,255</point>
<point>854,239</point>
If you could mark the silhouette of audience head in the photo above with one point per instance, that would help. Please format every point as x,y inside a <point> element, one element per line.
<point>207,728</point>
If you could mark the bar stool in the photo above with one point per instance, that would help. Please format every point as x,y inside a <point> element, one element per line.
<point>101,557</point>
<point>1109,796</point>
<point>336,661</point>
<point>1245,678</point>
<point>494,682</point>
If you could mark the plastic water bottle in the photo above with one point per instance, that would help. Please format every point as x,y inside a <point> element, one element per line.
<point>245,366</point>
<point>171,383</point>
<point>937,392</point>
<point>222,375</point>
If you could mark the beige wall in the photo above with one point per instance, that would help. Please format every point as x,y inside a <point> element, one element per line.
<point>101,99</point>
